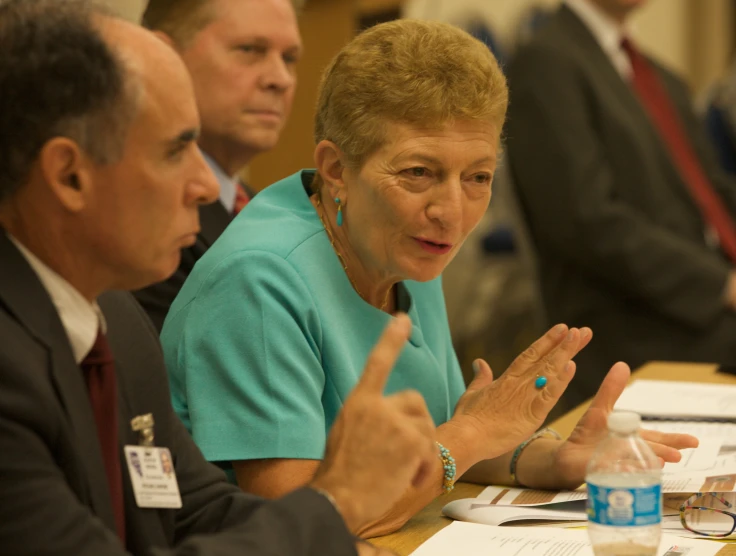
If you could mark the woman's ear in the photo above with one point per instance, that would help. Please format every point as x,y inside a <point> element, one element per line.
<point>329,161</point>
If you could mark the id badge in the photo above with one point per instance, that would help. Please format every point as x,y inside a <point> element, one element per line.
<point>153,477</point>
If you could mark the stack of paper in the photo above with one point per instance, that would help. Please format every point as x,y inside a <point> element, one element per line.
<point>496,506</point>
<point>470,539</point>
<point>709,468</point>
<point>660,399</point>
<point>499,505</point>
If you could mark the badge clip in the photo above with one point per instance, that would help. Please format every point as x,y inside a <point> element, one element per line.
<point>143,425</point>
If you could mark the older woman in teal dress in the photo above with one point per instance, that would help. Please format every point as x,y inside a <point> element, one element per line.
<point>272,329</point>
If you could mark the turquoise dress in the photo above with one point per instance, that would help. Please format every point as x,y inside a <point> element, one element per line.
<point>268,337</point>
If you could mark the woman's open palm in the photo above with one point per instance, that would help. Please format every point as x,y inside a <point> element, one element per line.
<point>574,454</point>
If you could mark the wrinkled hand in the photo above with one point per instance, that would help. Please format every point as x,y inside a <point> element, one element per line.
<point>378,446</point>
<point>574,454</point>
<point>503,413</point>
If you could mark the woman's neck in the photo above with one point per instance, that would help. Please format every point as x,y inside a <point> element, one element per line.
<point>375,286</point>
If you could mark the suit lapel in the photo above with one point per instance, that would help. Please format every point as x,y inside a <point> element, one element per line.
<point>579,37</point>
<point>27,300</point>
<point>144,526</point>
<point>582,40</point>
<point>213,219</point>
<point>574,32</point>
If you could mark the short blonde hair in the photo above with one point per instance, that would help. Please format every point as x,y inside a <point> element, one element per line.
<point>413,72</point>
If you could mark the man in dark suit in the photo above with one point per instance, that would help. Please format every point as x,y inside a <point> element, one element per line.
<point>633,222</point>
<point>242,56</point>
<point>100,180</point>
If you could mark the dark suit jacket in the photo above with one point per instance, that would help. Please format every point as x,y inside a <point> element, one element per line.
<point>620,240</point>
<point>54,497</point>
<point>157,299</point>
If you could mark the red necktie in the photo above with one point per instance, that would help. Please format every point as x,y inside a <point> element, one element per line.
<point>241,198</point>
<point>99,372</point>
<point>662,112</point>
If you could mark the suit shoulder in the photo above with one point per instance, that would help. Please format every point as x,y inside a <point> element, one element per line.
<point>123,313</point>
<point>19,347</point>
<point>671,77</point>
<point>541,54</point>
<point>121,304</point>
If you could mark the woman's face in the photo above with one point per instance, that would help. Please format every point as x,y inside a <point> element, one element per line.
<point>410,207</point>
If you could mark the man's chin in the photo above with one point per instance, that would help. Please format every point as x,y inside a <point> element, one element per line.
<point>260,139</point>
<point>154,275</point>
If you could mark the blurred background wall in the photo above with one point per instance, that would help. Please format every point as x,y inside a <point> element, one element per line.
<point>695,37</point>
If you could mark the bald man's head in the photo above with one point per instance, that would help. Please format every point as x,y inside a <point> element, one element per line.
<point>59,77</point>
<point>148,62</point>
<point>98,131</point>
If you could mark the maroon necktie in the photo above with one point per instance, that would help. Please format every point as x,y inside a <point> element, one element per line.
<point>241,198</point>
<point>657,103</point>
<point>99,372</point>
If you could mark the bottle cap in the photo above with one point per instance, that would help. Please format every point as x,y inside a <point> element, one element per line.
<point>624,422</point>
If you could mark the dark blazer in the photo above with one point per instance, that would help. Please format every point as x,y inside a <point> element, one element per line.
<point>620,241</point>
<point>53,491</point>
<point>157,299</point>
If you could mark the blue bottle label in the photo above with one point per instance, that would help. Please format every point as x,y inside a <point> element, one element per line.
<point>625,507</point>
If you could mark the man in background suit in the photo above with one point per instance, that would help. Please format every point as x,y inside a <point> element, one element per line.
<point>633,222</point>
<point>242,57</point>
<point>100,180</point>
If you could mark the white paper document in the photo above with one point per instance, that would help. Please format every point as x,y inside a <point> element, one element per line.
<point>701,458</point>
<point>471,539</point>
<point>721,480</point>
<point>563,514</point>
<point>679,400</point>
<point>507,496</point>
<point>717,480</point>
<point>703,430</point>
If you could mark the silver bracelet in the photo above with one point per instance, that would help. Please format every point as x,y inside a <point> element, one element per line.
<point>541,433</point>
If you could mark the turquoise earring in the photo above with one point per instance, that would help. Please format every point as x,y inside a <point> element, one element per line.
<point>339,211</point>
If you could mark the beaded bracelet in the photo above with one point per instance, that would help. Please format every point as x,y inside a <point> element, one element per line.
<point>521,447</point>
<point>448,464</point>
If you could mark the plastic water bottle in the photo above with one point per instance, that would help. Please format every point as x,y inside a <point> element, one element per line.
<point>624,480</point>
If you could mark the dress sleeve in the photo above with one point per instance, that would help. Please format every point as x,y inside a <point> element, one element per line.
<point>248,362</point>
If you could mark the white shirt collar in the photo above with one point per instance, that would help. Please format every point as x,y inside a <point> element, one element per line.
<point>80,318</point>
<point>607,32</point>
<point>228,184</point>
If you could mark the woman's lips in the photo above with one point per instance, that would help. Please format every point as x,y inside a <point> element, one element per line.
<point>433,247</point>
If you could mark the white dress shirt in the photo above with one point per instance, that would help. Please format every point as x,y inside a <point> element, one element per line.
<point>80,318</point>
<point>607,32</point>
<point>228,184</point>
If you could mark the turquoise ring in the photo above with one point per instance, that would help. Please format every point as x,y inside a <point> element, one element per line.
<point>540,383</point>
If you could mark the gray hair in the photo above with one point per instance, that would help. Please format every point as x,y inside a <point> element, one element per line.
<point>59,78</point>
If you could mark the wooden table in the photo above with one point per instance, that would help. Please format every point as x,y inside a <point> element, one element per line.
<point>430,520</point>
